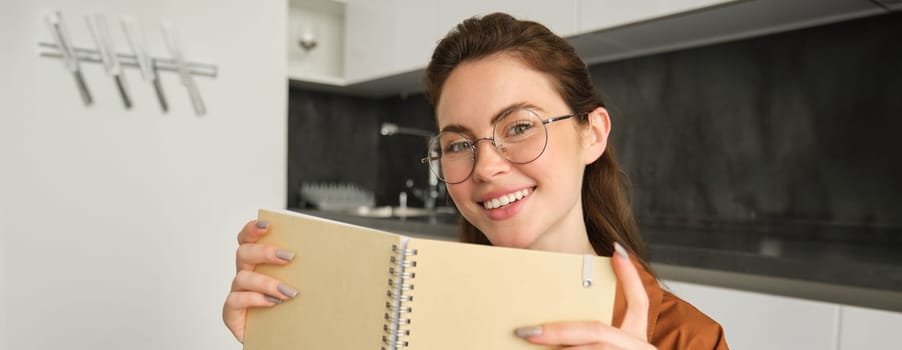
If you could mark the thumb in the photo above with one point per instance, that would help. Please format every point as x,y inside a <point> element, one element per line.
<point>635,322</point>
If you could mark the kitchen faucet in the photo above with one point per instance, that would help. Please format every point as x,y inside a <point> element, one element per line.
<point>431,195</point>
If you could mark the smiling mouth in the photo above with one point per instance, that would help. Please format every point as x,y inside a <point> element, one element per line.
<point>507,199</point>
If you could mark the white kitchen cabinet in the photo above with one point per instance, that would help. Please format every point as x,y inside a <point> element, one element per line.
<point>320,22</point>
<point>630,30</point>
<point>389,42</point>
<point>118,226</point>
<point>417,34</point>
<point>863,328</point>
<point>559,16</point>
<point>369,39</point>
<point>388,37</point>
<point>597,15</point>
<point>761,321</point>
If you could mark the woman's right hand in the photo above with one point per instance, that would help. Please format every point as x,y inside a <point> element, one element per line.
<point>249,288</point>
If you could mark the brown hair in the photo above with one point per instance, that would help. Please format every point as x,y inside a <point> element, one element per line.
<point>605,201</point>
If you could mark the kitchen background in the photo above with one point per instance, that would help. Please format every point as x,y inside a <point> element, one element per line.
<point>768,159</point>
<point>735,119</point>
<point>795,127</point>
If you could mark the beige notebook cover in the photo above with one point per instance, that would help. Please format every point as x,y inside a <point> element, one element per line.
<point>452,295</point>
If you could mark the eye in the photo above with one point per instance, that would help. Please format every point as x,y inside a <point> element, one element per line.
<point>456,147</point>
<point>518,125</point>
<point>518,128</point>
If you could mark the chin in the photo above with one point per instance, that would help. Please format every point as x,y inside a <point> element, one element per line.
<point>511,240</point>
<point>503,234</point>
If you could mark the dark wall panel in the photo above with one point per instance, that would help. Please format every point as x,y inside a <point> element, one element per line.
<point>331,138</point>
<point>799,125</point>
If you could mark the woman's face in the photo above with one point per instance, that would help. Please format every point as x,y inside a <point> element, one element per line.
<point>549,214</point>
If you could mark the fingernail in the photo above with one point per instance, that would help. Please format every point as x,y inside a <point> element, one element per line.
<point>527,332</point>
<point>284,254</point>
<point>620,251</point>
<point>288,291</point>
<point>273,299</point>
<point>262,224</point>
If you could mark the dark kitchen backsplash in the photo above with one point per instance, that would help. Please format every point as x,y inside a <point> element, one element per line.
<point>793,127</point>
<point>336,138</point>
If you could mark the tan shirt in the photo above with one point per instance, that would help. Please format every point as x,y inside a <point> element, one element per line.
<point>672,322</point>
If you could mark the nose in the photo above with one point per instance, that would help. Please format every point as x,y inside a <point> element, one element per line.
<point>489,161</point>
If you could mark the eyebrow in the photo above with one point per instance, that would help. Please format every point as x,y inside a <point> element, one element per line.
<point>504,111</point>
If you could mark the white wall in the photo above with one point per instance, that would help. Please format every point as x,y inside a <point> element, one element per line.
<point>3,287</point>
<point>117,228</point>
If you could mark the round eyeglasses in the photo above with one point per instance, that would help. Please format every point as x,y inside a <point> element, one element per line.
<point>520,136</point>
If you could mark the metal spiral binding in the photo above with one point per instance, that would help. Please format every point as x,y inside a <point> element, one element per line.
<point>399,285</point>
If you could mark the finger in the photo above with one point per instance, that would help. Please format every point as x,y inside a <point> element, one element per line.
<point>601,346</point>
<point>250,254</point>
<point>585,333</point>
<point>607,346</point>
<point>257,282</point>
<point>252,231</point>
<point>593,347</point>
<point>234,311</point>
<point>563,333</point>
<point>635,321</point>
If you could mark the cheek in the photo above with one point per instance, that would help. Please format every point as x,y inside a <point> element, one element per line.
<point>566,152</point>
<point>559,167</point>
<point>457,192</point>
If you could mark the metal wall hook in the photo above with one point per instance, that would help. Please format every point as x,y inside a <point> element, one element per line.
<point>135,37</point>
<point>64,45</point>
<point>104,43</point>
<point>51,50</point>
<point>170,36</point>
<point>104,53</point>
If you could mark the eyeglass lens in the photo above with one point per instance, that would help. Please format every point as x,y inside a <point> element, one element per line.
<point>519,136</point>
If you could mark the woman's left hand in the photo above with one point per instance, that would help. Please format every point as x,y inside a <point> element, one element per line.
<point>597,335</point>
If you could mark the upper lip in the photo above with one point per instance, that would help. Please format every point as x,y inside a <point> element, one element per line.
<point>500,192</point>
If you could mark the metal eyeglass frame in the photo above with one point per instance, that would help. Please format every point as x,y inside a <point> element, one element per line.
<point>475,153</point>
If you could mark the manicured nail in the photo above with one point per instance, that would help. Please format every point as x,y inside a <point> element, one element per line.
<point>273,299</point>
<point>262,224</point>
<point>620,251</point>
<point>290,292</point>
<point>284,254</point>
<point>527,332</point>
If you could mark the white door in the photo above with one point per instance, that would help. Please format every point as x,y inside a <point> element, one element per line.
<point>117,227</point>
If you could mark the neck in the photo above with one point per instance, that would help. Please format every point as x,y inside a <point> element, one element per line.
<point>567,236</point>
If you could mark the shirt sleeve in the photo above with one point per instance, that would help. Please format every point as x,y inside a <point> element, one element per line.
<point>681,326</point>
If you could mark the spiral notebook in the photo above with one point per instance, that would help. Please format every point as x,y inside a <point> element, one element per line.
<point>361,288</point>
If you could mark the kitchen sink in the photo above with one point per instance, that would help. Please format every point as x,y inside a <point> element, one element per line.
<point>442,214</point>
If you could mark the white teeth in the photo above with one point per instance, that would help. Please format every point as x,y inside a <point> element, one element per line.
<point>505,199</point>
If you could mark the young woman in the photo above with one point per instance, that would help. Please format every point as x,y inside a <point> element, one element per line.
<point>523,148</point>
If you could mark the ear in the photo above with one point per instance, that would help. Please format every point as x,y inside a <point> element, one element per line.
<point>595,135</point>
